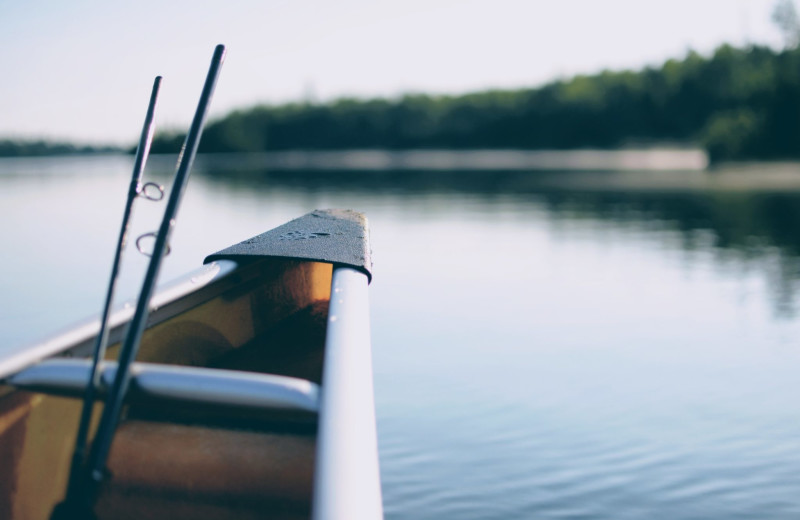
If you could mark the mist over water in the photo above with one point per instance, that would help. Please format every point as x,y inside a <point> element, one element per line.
<point>593,345</point>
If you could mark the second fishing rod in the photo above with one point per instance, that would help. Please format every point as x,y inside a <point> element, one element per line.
<point>94,470</point>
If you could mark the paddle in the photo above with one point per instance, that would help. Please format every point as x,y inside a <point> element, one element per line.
<point>136,189</point>
<point>95,474</point>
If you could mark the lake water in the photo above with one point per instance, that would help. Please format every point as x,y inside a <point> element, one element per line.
<point>550,345</point>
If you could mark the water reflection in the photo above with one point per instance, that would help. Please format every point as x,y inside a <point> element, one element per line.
<point>749,229</point>
<point>546,345</point>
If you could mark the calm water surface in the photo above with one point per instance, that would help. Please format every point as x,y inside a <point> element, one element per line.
<point>546,345</point>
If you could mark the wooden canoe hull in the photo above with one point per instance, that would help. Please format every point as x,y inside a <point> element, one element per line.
<point>268,316</point>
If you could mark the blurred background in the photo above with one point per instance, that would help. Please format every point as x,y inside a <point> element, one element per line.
<point>584,220</point>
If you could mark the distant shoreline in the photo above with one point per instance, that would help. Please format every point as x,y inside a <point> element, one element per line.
<point>465,160</point>
<point>44,148</point>
<point>360,170</point>
<point>623,159</point>
<point>736,104</point>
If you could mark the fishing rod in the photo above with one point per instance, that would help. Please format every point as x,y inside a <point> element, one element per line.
<point>96,463</point>
<point>135,190</point>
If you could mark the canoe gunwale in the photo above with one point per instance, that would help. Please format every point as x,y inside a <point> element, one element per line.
<point>77,339</point>
<point>240,292</point>
<point>337,237</point>
<point>347,475</point>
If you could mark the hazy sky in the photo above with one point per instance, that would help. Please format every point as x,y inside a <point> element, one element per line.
<point>83,69</point>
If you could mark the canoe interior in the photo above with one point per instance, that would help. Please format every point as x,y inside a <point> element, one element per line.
<point>177,462</point>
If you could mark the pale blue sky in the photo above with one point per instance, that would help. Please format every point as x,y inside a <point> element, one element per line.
<point>83,69</point>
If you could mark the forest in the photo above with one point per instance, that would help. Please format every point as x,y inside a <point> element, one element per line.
<point>737,103</point>
<point>22,148</point>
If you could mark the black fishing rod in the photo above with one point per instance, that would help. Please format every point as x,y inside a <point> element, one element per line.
<point>135,190</point>
<point>113,405</point>
<point>98,455</point>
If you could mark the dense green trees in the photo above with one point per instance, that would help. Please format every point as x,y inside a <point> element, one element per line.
<point>19,148</point>
<point>737,103</point>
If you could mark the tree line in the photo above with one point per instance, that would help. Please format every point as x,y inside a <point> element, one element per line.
<point>737,103</point>
<point>27,148</point>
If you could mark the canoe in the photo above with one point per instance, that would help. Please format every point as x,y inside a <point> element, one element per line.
<point>251,395</point>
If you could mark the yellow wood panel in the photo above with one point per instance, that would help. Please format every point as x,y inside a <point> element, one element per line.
<point>37,431</point>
